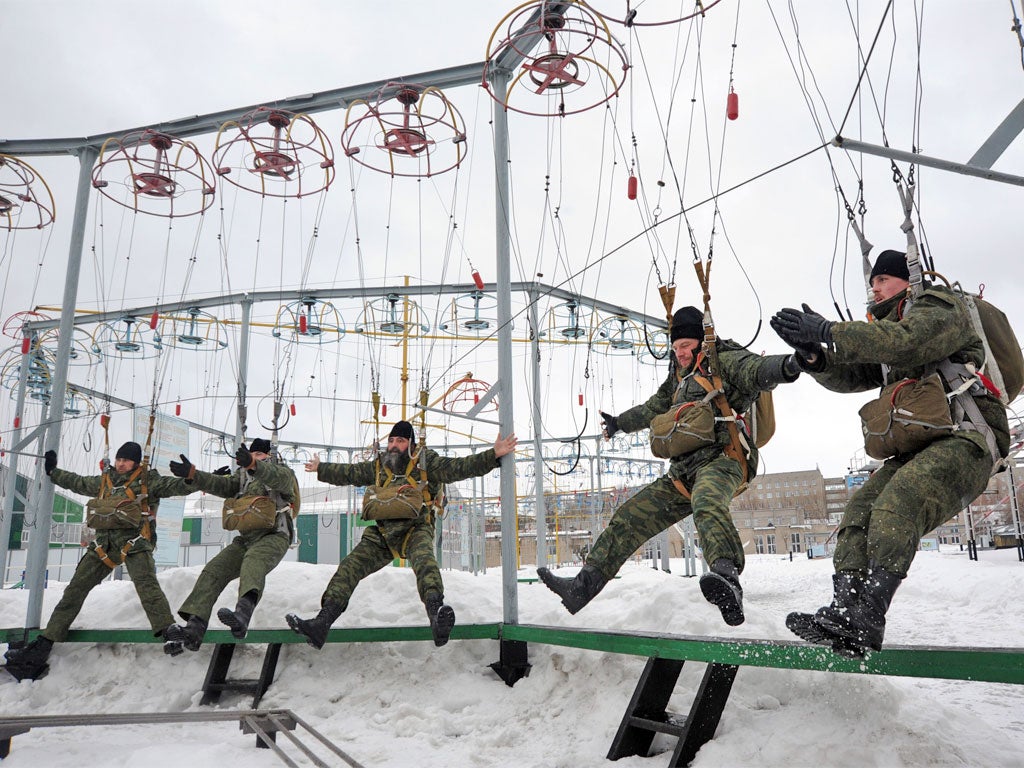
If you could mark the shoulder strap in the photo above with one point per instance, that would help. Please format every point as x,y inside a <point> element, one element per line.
<point>737,448</point>
<point>106,485</point>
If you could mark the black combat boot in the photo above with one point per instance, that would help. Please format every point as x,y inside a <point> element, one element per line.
<point>847,587</point>
<point>442,618</point>
<point>190,636</point>
<point>721,587</point>
<point>862,624</point>
<point>315,630</point>
<point>238,620</point>
<point>29,661</point>
<point>577,591</point>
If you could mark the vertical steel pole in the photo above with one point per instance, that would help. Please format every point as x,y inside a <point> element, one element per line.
<point>503,294</point>
<point>243,372</point>
<point>12,466</point>
<point>43,502</point>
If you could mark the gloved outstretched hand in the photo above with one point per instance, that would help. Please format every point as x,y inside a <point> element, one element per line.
<point>184,468</point>
<point>804,331</point>
<point>243,458</point>
<point>609,423</point>
<point>49,461</point>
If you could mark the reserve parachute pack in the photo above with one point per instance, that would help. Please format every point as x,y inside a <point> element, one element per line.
<point>397,501</point>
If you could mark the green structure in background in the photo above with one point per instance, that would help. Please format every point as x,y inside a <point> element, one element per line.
<point>64,511</point>
<point>308,531</point>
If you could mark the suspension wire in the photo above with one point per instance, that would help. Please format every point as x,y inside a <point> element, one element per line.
<point>671,217</point>
<point>864,68</point>
<point>374,363</point>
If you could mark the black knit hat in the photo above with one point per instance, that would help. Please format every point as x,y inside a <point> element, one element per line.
<point>259,445</point>
<point>892,263</point>
<point>131,451</point>
<point>403,429</point>
<point>687,323</point>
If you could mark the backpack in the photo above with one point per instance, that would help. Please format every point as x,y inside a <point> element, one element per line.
<point>761,419</point>
<point>1004,363</point>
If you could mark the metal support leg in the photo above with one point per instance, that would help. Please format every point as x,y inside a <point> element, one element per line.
<point>512,665</point>
<point>705,712</point>
<point>647,715</point>
<point>216,674</point>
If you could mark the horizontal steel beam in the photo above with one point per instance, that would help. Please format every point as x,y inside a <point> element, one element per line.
<point>338,98</point>
<point>363,292</point>
<point>932,162</point>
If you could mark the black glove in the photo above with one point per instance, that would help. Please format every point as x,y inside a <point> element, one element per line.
<point>182,468</point>
<point>610,424</point>
<point>802,330</point>
<point>244,458</point>
<point>221,471</point>
<point>49,461</point>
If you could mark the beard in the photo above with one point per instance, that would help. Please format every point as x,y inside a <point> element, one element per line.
<point>395,460</point>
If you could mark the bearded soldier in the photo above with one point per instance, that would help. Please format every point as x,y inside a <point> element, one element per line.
<point>261,501</point>
<point>920,486</point>
<point>702,480</point>
<point>403,485</point>
<point>123,510</point>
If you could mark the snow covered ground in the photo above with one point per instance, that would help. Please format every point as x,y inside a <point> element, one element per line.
<point>410,704</point>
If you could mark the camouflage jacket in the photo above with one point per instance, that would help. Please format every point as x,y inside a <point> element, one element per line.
<point>265,479</point>
<point>439,469</point>
<point>744,376</point>
<point>935,327</point>
<point>157,486</point>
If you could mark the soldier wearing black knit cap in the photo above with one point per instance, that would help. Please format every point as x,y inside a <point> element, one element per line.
<point>701,481</point>
<point>254,553</point>
<point>410,537</point>
<point>124,536</point>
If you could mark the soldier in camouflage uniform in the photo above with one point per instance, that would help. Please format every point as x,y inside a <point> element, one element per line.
<point>709,477</point>
<point>386,540</point>
<point>131,547</point>
<point>911,493</point>
<point>250,556</point>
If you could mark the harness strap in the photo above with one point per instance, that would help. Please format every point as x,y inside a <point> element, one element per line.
<point>389,476</point>
<point>965,412</point>
<point>681,488</point>
<point>737,448</point>
<point>107,486</point>
<point>105,558</point>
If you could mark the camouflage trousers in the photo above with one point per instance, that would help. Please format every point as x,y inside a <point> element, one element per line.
<point>660,505</point>
<point>249,558</point>
<point>91,571</point>
<point>904,499</point>
<point>379,546</point>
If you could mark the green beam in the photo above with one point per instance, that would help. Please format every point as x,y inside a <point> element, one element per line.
<point>993,665</point>
<point>255,636</point>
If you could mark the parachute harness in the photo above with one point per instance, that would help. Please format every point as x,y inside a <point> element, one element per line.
<point>738,448</point>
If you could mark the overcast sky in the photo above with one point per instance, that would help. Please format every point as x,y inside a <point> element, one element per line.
<point>85,69</point>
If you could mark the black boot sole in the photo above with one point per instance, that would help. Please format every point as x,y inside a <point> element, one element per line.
<point>238,627</point>
<point>719,592</point>
<point>855,647</point>
<point>562,587</point>
<point>26,672</point>
<point>296,624</point>
<point>807,628</point>
<point>441,626</point>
